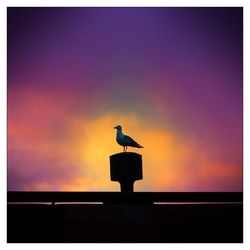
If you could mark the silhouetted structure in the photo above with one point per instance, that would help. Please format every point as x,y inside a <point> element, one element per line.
<point>126,168</point>
<point>125,217</point>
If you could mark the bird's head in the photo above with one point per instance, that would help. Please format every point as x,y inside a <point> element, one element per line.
<point>118,127</point>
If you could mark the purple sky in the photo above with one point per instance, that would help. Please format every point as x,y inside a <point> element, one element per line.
<point>177,70</point>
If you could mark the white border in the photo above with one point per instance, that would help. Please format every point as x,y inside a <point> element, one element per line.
<point>124,3</point>
<point>203,3</point>
<point>246,121</point>
<point>3,123</point>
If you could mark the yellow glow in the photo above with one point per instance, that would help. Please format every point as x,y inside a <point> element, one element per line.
<point>164,155</point>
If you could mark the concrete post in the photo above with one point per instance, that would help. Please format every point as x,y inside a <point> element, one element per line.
<point>126,168</point>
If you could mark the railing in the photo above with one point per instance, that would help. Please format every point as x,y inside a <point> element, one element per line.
<point>117,197</point>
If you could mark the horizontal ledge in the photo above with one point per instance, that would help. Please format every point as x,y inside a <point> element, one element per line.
<point>136,197</point>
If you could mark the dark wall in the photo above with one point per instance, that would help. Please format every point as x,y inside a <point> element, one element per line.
<point>125,223</point>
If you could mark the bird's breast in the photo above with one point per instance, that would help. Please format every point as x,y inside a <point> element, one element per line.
<point>120,139</point>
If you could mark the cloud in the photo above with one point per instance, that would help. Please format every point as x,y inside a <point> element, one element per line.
<point>54,149</point>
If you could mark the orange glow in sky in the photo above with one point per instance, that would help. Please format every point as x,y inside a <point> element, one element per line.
<point>77,158</point>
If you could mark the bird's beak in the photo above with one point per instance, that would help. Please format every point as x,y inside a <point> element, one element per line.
<point>115,127</point>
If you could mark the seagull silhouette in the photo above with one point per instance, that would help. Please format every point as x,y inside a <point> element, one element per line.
<point>125,140</point>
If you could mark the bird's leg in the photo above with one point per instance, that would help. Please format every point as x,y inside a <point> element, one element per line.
<point>124,148</point>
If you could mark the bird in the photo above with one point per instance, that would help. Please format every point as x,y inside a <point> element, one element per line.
<point>125,140</point>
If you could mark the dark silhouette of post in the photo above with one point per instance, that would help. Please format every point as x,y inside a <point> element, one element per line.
<point>126,168</point>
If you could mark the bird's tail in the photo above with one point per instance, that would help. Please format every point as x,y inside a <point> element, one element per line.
<point>139,146</point>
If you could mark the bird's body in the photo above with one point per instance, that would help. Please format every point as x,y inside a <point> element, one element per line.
<point>125,140</point>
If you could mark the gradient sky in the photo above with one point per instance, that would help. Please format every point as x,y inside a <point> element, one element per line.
<point>172,77</point>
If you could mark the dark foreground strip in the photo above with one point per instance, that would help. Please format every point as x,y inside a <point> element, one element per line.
<point>136,197</point>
